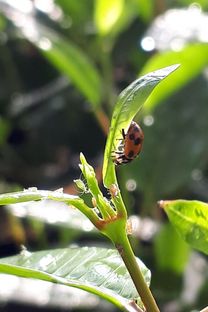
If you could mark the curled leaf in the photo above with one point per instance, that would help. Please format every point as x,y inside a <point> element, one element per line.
<point>130,101</point>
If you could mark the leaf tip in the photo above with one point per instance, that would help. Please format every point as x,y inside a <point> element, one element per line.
<point>175,66</point>
<point>163,203</point>
<point>170,69</point>
<point>82,158</point>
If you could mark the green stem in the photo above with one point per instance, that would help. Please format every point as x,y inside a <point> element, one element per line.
<point>124,248</point>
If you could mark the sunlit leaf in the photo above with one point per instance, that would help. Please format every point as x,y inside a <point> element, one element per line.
<point>190,218</point>
<point>175,144</point>
<point>130,101</point>
<point>96,270</point>
<point>107,13</point>
<point>33,193</point>
<point>67,57</point>
<point>53,213</point>
<point>74,63</point>
<point>193,60</point>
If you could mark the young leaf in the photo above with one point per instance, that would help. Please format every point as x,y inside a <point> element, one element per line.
<point>35,194</point>
<point>107,13</point>
<point>74,63</point>
<point>130,101</point>
<point>186,73</point>
<point>190,218</point>
<point>68,58</point>
<point>96,270</point>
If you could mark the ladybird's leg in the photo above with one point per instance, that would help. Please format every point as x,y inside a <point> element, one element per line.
<point>116,155</point>
<point>123,134</point>
<point>118,160</point>
<point>122,160</point>
<point>118,152</point>
<point>127,160</point>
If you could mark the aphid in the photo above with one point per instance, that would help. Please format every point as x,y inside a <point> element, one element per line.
<point>132,144</point>
<point>94,202</point>
<point>129,227</point>
<point>113,190</point>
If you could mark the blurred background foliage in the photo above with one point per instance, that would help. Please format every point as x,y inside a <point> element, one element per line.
<point>62,65</point>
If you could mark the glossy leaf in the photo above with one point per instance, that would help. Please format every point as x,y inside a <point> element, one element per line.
<point>107,12</point>
<point>190,218</point>
<point>74,63</point>
<point>187,71</point>
<point>175,144</point>
<point>130,101</point>
<point>67,57</point>
<point>54,213</point>
<point>96,270</point>
<point>33,194</point>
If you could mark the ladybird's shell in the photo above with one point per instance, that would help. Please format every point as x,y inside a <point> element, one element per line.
<point>132,144</point>
<point>133,141</point>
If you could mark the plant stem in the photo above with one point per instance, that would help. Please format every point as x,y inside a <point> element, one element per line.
<point>124,248</point>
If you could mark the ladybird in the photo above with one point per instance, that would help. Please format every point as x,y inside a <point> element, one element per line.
<point>132,144</point>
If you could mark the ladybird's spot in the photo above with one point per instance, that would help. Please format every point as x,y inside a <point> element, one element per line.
<point>136,129</point>
<point>137,141</point>
<point>131,136</point>
<point>131,154</point>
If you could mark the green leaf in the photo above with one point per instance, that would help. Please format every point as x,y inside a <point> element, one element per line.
<point>130,101</point>
<point>192,58</point>
<point>35,194</point>
<point>146,9</point>
<point>190,218</point>
<point>78,11</point>
<point>102,204</point>
<point>53,213</point>
<point>170,250</point>
<point>70,60</point>
<point>174,146</point>
<point>107,13</point>
<point>96,270</point>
